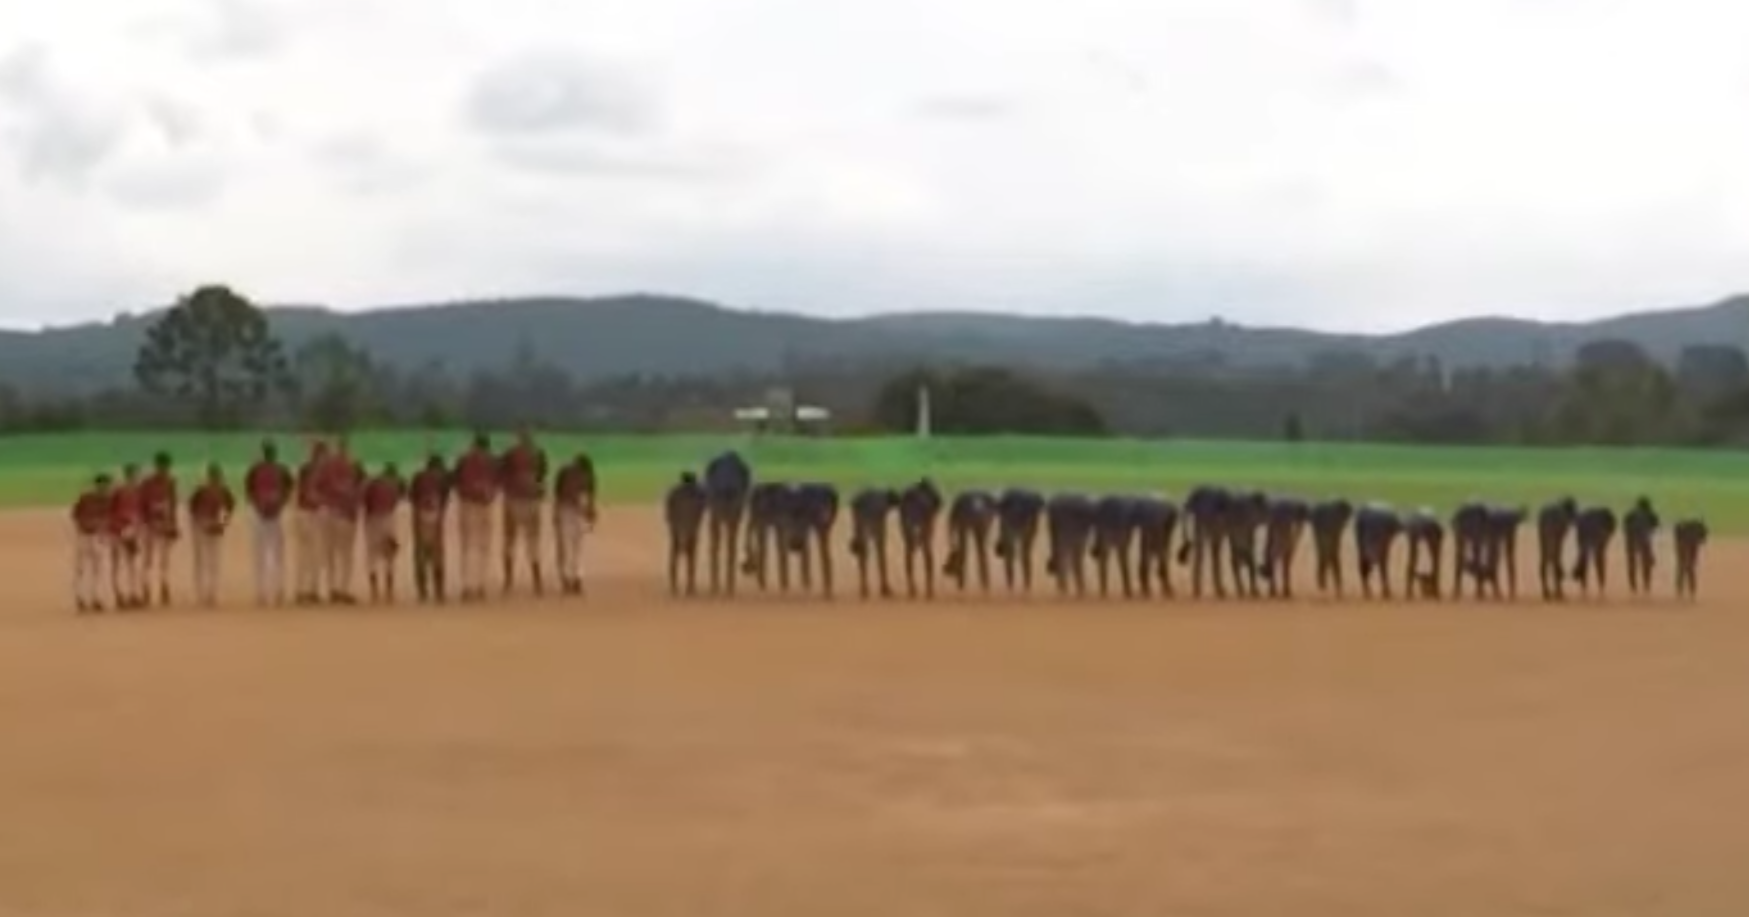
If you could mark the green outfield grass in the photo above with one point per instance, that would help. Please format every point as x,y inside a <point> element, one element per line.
<point>45,470</point>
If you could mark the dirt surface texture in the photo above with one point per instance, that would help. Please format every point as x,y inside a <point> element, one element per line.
<point>629,755</point>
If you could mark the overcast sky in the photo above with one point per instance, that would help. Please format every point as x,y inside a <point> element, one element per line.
<point>1331,163</point>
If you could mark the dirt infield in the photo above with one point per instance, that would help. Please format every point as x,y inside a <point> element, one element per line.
<point>631,756</point>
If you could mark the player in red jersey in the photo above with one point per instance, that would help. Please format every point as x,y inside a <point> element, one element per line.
<point>342,500</point>
<point>210,509</point>
<point>522,477</point>
<point>90,532</point>
<point>429,495</point>
<point>573,517</point>
<point>310,527</point>
<point>269,487</point>
<point>159,503</point>
<point>476,486</point>
<point>125,523</point>
<point>382,542</point>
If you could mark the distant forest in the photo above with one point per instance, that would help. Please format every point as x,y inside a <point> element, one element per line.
<point>214,360</point>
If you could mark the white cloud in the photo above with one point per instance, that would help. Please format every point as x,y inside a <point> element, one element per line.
<point>1339,163</point>
<point>558,91</point>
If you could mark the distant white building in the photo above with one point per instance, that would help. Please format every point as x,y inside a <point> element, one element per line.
<point>781,414</point>
<point>803,413</point>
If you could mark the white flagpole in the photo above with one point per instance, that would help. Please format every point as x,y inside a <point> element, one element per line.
<point>923,412</point>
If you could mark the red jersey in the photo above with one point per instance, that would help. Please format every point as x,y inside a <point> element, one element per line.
<point>269,486</point>
<point>342,485</point>
<point>382,495</point>
<point>124,509</point>
<point>158,499</point>
<point>572,485</point>
<point>430,489</point>
<point>211,506</point>
<point>476,475</point>
<point>91,512</point>
<point>522,472</point>
<point>310,484</point>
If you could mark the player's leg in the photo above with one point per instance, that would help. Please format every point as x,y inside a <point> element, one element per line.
<point>574,526</point>
<point>465,550</point>
<point>580,566</point>
<point>311,550</point>
<point>139,588</point>
<point>347,556</point>
<point>300,557</point>
<point>124,569</point>
<point>197,560</point>
<point>275,551</point>
<point>146,560</point>
<point>391,553</point>
<point>334,541</point>
<point>216,573</point>
<point>482,550</point>
<point>567,525</point>
<point>372,569</point>
<point>117,589</point>
<point>202,555</point>
<point>141,568</point>
<point>382,549</point>
<point>464,543</point>
<point>425,530</point>
<point>421,566</point>
<point>81,572</point>
<point>99,548</point>
<point>316,568</point>
<point>166,543</point>
<point>258,557</point>
<point>532,536</point>
<point>387,549</point>
<point>118,593</point>
<point>467,526</point>
<point>439,559</point>
<point>512,537</point>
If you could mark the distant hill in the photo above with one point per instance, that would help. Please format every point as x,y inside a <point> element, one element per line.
<point>666,335</point>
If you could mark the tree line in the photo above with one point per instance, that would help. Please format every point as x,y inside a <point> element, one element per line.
<point>212,361</point>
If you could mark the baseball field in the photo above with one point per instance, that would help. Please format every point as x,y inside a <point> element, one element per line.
<point>630,754</point>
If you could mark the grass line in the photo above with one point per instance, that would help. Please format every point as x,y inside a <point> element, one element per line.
<point>47,470</point>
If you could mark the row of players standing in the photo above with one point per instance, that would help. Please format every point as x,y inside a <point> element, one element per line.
<point>334,502</point>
